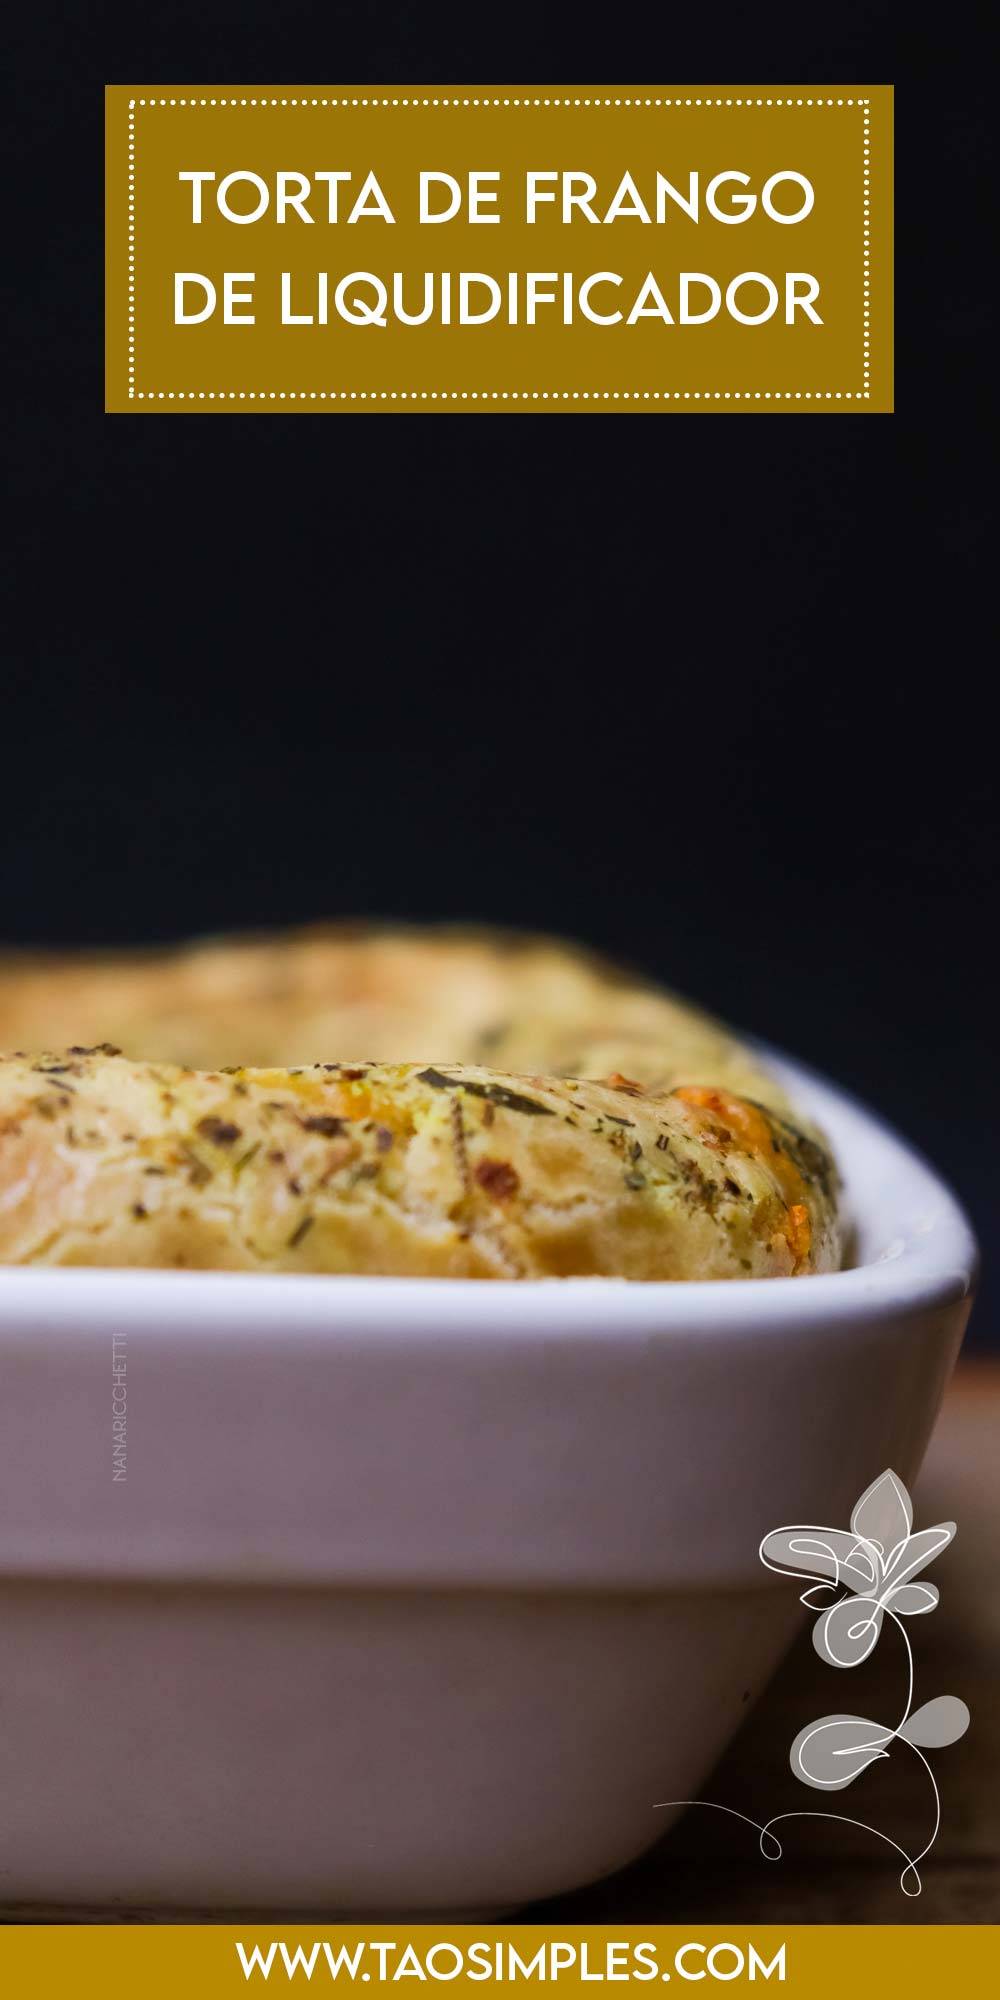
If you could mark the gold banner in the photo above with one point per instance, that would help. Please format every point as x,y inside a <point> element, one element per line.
<point>205,1962</point>
<point>499,247</point>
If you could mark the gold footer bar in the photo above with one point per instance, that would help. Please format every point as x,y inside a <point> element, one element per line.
<point>188,1961</point>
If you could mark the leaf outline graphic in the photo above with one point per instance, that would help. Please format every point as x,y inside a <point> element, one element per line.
<point>830,1753</point>
<point>940,1722</point>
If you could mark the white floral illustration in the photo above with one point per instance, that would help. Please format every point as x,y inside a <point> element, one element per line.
<point>874,1564</point>
<point>875,1561</point>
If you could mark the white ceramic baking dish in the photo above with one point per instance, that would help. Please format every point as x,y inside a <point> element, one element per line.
<point>416,1595</point>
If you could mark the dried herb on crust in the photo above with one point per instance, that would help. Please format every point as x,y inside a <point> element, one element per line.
<point>496,1093</point>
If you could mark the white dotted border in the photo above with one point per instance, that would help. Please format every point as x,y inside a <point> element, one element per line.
<point>866,303</point>
<point>131,250</point>
<point>485,103</point>
<point>499,395</point>
<point>506,395</point>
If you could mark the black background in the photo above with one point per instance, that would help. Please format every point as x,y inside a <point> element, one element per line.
<point>710,694</point>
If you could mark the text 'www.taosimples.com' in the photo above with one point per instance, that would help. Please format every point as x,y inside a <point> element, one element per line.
<point>612,1961</point>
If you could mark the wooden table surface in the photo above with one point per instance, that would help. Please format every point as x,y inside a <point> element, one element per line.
<point>709,1869</point>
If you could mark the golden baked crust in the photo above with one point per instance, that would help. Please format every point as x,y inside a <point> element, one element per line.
<point>447,1170</point>
<point>354,993</point>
